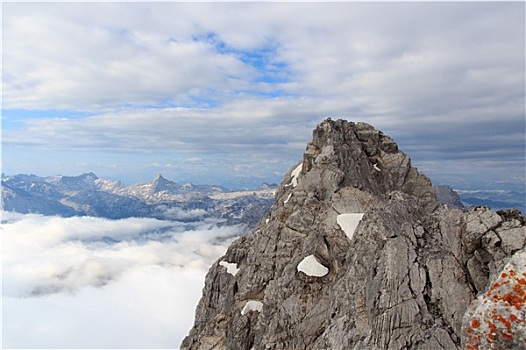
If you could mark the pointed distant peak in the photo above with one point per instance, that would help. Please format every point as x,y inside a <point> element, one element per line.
<point>159,177</point>
<point>160,183</point>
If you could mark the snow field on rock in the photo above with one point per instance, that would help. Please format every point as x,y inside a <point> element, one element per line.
<point>252,305</point>
<point>231,268</point>
<point>349,222</point>
<point>312,267</point>
<point>294,176</point>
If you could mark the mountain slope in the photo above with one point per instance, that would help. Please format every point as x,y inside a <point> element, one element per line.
<point>356,253</point>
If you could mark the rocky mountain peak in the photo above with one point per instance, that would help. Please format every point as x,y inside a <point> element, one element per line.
<point>356,253</point>
<point>74,183</point>
<point>160,184</point>
<point>346,154</point>
<point>160,179</point>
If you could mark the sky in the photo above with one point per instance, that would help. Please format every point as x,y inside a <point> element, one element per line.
<point>229,93</point>
<point>92,283</point>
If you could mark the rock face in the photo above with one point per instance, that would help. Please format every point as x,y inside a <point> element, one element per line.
<point>446,195</point>
<point>356,253</point>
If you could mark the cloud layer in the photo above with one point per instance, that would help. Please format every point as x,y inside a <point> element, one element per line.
<point>86,282</point>
<point>242,85</point>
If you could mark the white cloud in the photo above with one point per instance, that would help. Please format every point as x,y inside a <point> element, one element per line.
<point>57,62</point>
<point>176,213</point>
<point>96,283</point>
<point>255,78</point>
<point>365,54</point>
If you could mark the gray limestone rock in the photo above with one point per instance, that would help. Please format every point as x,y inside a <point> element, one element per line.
<point>356,253</point>
<point>447,196</point>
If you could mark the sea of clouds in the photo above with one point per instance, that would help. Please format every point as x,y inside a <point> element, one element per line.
<point>86,282</point>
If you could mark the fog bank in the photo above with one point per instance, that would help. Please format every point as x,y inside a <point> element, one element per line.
<point>86,282</point>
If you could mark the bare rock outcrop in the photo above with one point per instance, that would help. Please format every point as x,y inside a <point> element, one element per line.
<point>447,196</point>
<point>356,253</point>
<point>495,319</point>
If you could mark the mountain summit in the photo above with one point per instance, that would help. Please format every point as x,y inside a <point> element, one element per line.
<point>160,184</point>
<point>356,253</point>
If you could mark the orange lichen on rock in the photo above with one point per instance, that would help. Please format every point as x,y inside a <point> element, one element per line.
<point>504,321</point>
<point>495,319</point>
<point>492,327</point>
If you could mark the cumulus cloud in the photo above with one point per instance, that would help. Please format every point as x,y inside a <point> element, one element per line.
<point>102,63</point>
<point>86,282</point>
<point>176,213</point>
<point>229,80</point>
<point>373,55</point>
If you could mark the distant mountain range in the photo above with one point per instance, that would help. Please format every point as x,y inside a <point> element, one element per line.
<point>87,194</point>
<point>496,199</point>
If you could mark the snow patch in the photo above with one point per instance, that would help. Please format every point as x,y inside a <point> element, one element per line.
<point>375,166</point>
<point>288,198</point>
<point>231,268</point>
<point>266,221</point>
<point>312,267</point>
<point>349,222</point>
<point>252,305</point>
<point>295,174</point>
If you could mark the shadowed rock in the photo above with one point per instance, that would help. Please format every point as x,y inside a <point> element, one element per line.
<point>447,196</point>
